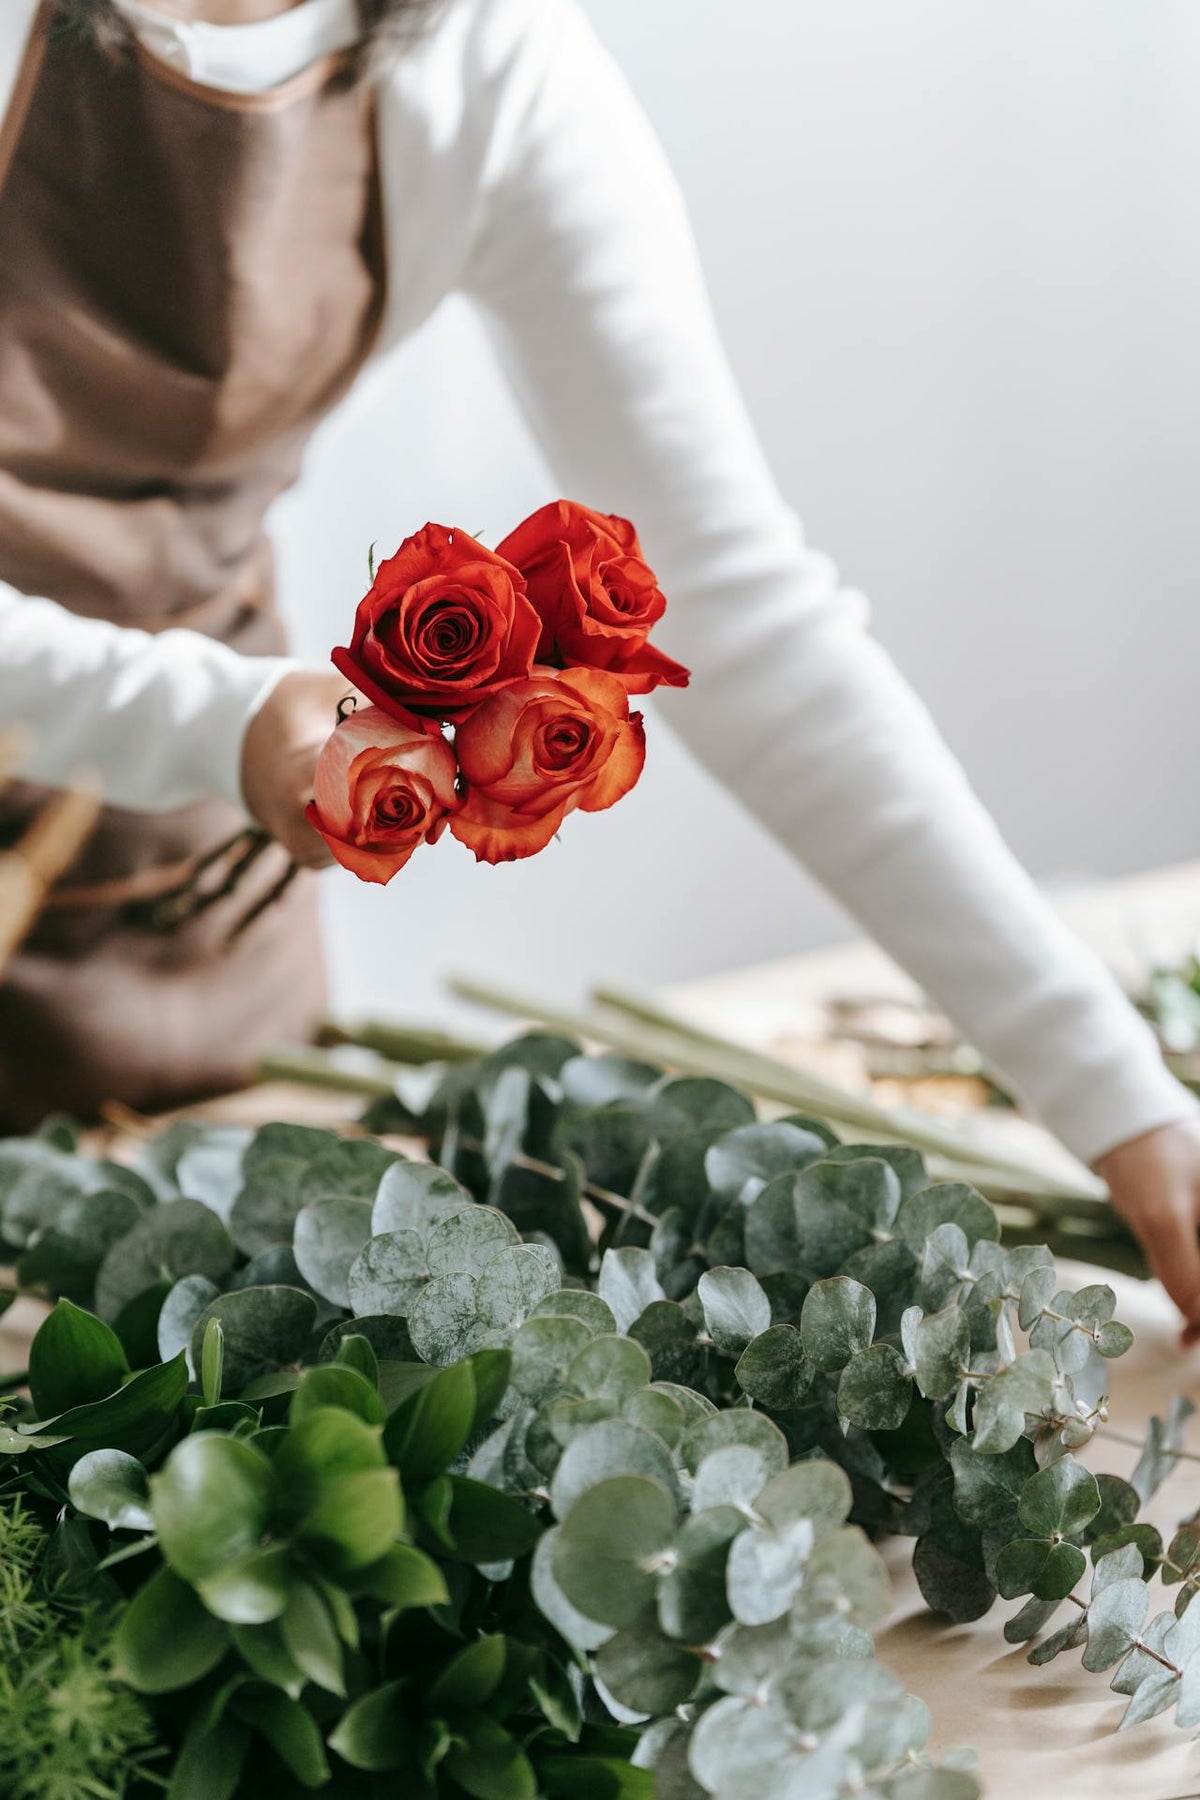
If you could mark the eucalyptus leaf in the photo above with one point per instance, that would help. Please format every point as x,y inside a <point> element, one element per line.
<point>837,1322</point>
<point>388,1273</point>
<point>735,1308</point>
<point>946,1203</point>
<point>1060,1500</point>
<point>628,1284</point>
<point>609,1548</point>
<point>1115,1617</point>
<point>774,1368</point>
<point>875,1391</point>
<point>263,1329</point>
<point>180,1238</point>
<point>740,1164</point>
<point>941,1352</point>
<point>611,1448</point>
<point>416,1196</point>
<point>180,1310</point>
<point>329,1236</point>
<point>645,1670</point>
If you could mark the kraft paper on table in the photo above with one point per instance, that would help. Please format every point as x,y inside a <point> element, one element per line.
<point>1053,1731</point>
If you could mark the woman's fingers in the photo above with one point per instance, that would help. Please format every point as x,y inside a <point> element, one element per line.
<point>1168,1236</point>
<point>1154,1181</point>
<point>279,755</point>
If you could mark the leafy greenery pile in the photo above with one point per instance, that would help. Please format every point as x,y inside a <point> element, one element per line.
<point>398,1466</point>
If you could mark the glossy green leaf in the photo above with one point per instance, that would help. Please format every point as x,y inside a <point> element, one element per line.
<point>113,1487</point>
<point>74,1361</point>
<point>166,1639</point>
<point>212,1503</point>
<point>373,1732</point>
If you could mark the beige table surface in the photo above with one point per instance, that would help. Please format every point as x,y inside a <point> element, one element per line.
<point>1053,1731</point>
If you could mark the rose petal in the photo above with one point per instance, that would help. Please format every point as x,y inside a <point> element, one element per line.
<point>621,772</point>
<point>394,656</point>
<point>369,865</point>
<point>498,834</point>
<point>369,756</point>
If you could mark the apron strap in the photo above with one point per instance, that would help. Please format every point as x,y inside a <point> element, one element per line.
<point>23,39</point>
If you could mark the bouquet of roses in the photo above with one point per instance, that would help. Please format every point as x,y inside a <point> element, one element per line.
<point>499,684</point>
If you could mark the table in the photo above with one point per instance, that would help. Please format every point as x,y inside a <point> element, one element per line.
<point>1049,1731</point>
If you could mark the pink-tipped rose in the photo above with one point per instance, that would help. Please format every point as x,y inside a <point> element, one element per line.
<point>382,787</point>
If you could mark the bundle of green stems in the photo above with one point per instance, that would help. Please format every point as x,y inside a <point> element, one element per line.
<point>1035,1201</point>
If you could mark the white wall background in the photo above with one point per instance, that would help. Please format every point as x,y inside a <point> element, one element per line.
<point>953,248</point>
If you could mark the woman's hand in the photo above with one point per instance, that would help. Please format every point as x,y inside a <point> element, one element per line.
<point>1154,1181</point>
<point>279,754</point>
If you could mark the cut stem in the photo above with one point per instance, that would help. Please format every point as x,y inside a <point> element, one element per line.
<point>649,1033</point>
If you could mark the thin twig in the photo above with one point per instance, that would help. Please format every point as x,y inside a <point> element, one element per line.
<point>600,1196</point>
<point>1122,1437</point>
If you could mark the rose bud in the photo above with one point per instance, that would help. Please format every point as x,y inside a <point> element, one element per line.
<point>536,751</point>
<point>597,597</point>
<point>446,623</point>
<point>382,788</point>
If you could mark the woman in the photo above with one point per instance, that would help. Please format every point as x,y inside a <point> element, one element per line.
<point>214,214</point>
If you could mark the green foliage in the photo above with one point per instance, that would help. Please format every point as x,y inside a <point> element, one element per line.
<point>68,1726</point>
<point>425,1477</point>
<point>307,1589</point>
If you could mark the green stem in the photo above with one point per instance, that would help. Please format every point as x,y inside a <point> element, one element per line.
<point>1138,1643</point>
<point>17,1379</point>
<point>408,1044</point>
<point>315,1068</point>
<point>640,1029</point>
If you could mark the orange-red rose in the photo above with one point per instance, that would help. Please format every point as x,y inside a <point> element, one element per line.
<point>533,753</point>
<point>381,788</point>
<point>446,623</point>
<point>597,597</point>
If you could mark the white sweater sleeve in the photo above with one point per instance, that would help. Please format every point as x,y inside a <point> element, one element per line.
<point>159,719</point>
<point>585,267</point>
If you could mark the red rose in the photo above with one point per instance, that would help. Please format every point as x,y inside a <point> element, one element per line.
<point>536,751</point>
<point>382,788</point>
<point>597,597</point>
<point>446,623</point>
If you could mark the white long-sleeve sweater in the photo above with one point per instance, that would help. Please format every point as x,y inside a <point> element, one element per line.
<point>519,170</point>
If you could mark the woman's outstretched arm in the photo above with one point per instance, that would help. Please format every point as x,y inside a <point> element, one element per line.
<point>586,271</point>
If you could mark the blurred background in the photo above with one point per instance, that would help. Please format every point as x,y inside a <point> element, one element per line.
<point>953,253</point>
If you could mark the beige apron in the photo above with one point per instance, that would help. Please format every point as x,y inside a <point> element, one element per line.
<point>188,281</point>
